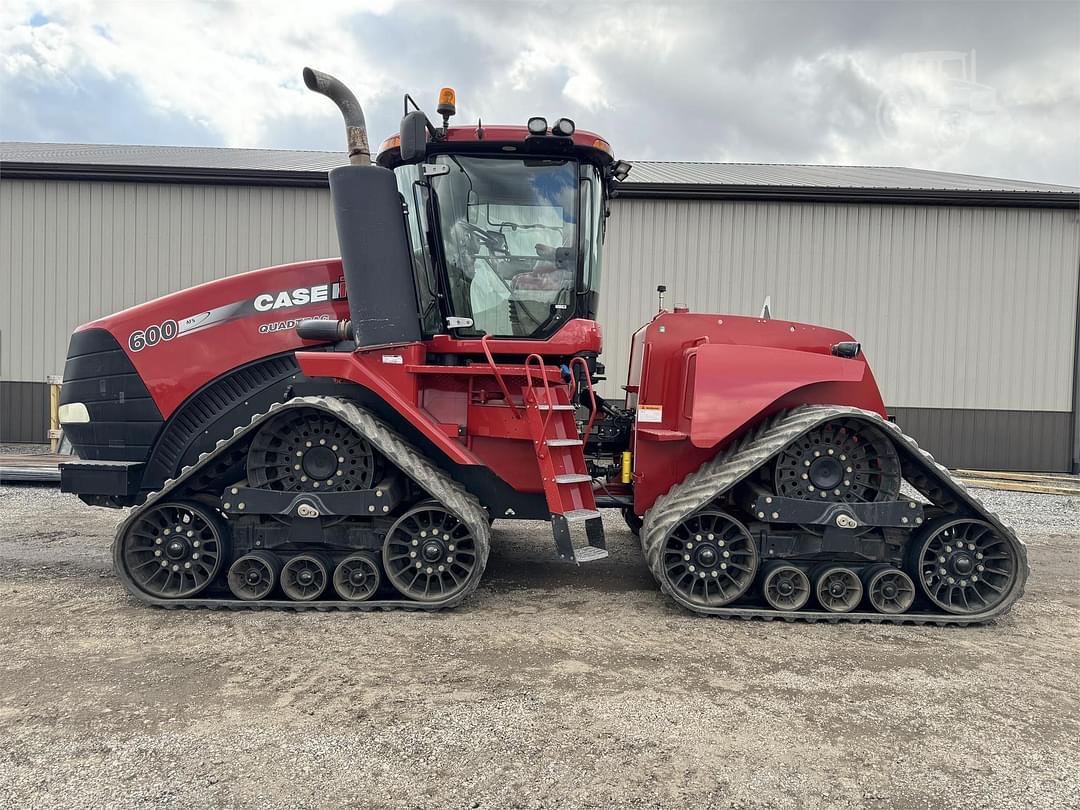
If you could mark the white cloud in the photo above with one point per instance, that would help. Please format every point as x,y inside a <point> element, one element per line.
<point>777,82</point>
<point>233,66</point>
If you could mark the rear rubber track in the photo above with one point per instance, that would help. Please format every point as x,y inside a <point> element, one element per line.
<point>714,478</point>
<point>427,476</point>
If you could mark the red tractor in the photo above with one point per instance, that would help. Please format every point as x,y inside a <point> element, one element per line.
<point>341,433</point>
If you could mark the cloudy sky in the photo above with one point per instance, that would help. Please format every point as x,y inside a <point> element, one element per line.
<point>983,88</point>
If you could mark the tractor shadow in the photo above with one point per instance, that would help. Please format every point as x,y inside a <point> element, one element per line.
<point>523,557</point>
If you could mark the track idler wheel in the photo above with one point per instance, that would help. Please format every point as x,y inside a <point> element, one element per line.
<point>429,554</point>
<point>253,576</point>
<point>304,577</point>
<point>964,565</point>
<point>173,550</point>
<point>709,559</point>
<point>786,587</point>
<point>311,451</point>
<point>889,589</point>
<point>357,577</point>
<point>838,589</point>
<point>843,460</point>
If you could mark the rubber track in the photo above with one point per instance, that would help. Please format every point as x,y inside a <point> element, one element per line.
<point>427,476</point>
<point>746,455</point>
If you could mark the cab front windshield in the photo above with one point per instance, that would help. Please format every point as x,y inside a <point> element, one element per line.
<point>510,241</point>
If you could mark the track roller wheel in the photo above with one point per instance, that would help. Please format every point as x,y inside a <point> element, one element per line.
<point>304,577</point>
<point>965,565</point>
<point>838,589</point>
<point>709,559</point>
<point>173,551</point>
<point>786,587</point>
<point>429,554</point>
<point>253,576</point>
<point>843,460</point>
<point>889,589</point>
<point>357,577</point>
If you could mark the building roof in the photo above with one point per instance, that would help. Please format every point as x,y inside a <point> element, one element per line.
<point>648,179</point>
<point>788,174</point>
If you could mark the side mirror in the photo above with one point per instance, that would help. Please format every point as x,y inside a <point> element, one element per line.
<point>414,137</point>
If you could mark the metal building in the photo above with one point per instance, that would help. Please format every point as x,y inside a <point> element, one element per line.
<point>965,291</point>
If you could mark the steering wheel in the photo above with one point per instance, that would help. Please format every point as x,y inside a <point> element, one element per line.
<point>494,241</point>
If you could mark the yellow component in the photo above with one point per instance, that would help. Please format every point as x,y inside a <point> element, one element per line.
<point>448,96</point>
<point>627,457</point>
<point>603,146</point>
<point>393,142</point>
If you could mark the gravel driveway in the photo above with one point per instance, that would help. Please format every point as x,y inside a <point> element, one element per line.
<point>551,687</point>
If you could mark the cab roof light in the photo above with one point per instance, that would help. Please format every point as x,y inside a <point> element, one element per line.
<point>537,125</point>
<point>563,127</point>
<point>620,170</point>
<point>393,142</point>
<point>603,146</point>
<point>447,105</point>
<point>447,101</point>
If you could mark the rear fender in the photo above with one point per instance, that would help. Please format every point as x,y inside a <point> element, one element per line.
<point>727,387</point>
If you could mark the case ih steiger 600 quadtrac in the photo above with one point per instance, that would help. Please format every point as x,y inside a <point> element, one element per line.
<point>341,433</point>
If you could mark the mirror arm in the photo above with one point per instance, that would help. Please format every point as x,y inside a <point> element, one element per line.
<point>432,131</point>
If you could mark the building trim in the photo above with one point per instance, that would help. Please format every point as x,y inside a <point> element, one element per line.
<point>165,174</point>
<point>676,191</point>
<point>1075,443</point>
<point>1022,441</point>
<point>894,196</point>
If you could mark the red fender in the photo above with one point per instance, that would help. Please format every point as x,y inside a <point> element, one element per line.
<point>704,380</point>
<point>728,387</point>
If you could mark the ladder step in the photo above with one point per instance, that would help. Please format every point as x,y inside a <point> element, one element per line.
<point>563,442</point>
<point>572,478</point>
<point>589,554</point>
<point>574,515</point>
<point>543,406</point>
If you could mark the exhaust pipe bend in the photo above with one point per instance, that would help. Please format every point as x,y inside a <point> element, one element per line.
<point>342,96</point>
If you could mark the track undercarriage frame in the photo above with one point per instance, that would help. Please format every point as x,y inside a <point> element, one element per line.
<point>314,547</point>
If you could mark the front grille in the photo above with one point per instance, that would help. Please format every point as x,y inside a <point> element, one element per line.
<point>124,420</point>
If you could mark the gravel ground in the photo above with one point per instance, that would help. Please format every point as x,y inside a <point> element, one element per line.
<point>551,687</point>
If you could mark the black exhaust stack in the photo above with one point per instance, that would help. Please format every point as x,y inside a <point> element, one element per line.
<point>342,96</point>
<point>371,232</point>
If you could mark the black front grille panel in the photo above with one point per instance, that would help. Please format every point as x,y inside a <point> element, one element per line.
<point>124,420</point>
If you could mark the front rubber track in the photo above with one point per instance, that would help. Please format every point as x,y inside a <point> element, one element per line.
<point>426,475</point>
<point>755,448</point>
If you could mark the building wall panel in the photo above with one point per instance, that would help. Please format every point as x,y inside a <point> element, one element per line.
<point>24,412</point>
<point>961,310</point>
<point>74,251</point>
<point>970,308</point>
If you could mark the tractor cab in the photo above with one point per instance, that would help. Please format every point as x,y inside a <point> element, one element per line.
<point>505,224</point>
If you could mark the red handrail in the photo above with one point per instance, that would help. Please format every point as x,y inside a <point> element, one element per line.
<point>498,375</point>
<point>547,396</point>
<point>592,395</point>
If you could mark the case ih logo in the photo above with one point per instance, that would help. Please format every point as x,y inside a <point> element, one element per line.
<point>268,302</point>
<point>152,335</point>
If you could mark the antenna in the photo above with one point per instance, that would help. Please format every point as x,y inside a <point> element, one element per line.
<point>660,290</point>
<point>766,308</point>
